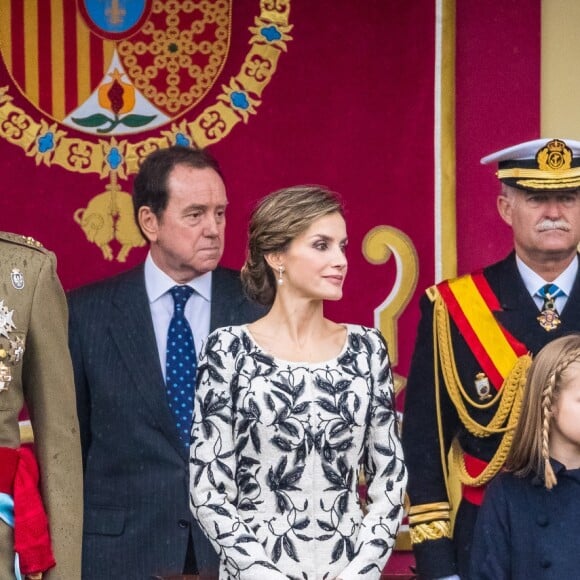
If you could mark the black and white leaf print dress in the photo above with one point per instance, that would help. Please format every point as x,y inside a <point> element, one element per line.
<point>276,451</point>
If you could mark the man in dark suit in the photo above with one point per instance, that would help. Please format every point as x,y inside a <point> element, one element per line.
<point>135,449</point>
<point>473,348</point>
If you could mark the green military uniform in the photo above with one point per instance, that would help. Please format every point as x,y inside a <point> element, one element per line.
<point>36,370</point>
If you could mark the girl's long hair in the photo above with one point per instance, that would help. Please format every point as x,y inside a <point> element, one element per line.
<point>530,451</point>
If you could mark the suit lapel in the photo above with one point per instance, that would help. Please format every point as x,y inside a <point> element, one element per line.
<point>518,307</point>
<point>519,311</point>
<point>570,315</point>
<point>225,299</point>
<point>134,336</point>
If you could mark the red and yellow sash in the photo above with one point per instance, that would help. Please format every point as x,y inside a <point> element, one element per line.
<point>471,303</point>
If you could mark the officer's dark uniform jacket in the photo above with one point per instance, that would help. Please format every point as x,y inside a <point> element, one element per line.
<point>426,406</point>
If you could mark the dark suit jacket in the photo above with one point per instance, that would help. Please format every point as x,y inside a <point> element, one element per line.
<point>518,314</point>
<point>137,517</point>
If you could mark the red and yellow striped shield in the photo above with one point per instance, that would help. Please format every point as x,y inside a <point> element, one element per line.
<point>59,52</point>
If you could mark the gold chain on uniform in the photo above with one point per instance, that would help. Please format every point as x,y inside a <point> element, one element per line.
<point>509,397</point>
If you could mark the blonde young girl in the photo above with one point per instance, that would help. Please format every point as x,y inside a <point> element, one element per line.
<point>529,521</point>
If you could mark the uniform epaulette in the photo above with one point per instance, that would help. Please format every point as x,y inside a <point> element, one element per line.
<point>27,241</point>
<point>432,292</point>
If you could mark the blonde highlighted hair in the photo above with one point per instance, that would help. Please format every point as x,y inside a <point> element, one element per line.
<point>530,451</point>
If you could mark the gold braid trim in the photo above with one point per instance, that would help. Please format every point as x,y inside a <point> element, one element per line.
<point>509,397</point>
<point>492,468</point>
<point>431,531</point>
<point>428,507</point>
<point>511,390</point>
<point>499,457</point>
<point>442,451</point>
<point>430,517</point>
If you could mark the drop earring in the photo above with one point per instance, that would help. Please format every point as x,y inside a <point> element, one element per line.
<point>280,272</point>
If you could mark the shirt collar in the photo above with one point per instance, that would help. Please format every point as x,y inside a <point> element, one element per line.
<point>158,283</point>
<point>534,282</point>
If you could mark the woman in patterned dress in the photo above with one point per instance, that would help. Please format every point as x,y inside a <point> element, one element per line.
<point>291,407</point>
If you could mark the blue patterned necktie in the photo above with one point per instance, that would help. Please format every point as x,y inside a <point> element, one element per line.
<point>180,364</point>
<point>549,318</point>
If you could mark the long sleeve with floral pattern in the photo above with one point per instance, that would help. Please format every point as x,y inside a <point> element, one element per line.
<point>277,448</point>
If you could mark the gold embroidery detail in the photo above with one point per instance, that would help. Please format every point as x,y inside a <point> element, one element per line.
<point>526,172</point>
<point>555,156</point>
<point>172,43</point>
<point>431,531</point>
<point>557,184</point>
<point>239,99</point>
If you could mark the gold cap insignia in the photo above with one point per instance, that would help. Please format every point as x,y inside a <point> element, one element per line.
<point>555,156</point>
<point>550,165</point>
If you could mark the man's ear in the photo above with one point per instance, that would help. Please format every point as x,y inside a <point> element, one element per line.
<point>504,208</point>
<point>148,222</point>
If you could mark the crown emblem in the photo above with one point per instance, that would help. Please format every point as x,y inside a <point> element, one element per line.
<point>555,156</point>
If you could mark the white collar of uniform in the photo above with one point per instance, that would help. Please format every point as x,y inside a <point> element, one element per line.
<point>158,283</point>
<point>533,282</point>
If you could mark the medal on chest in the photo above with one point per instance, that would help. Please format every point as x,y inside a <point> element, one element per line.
<point>482,386</point>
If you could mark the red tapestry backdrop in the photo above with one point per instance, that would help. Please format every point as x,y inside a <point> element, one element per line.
<point>336,92</point>
<point>498,105</point>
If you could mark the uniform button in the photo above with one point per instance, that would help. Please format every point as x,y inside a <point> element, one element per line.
<point>183,523</point>
<point>545,563</point>
<point>542,520</point>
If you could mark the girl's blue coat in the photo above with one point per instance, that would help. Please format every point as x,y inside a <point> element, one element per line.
<point>525,531</point>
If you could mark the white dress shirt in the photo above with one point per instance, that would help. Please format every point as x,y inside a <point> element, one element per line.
<point>533,282</point>
<point>197,309</point>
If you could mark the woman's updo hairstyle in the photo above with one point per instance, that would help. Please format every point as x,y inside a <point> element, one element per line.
<point>277,220</point>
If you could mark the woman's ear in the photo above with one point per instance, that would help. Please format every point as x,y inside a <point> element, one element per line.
<point>274,260</point>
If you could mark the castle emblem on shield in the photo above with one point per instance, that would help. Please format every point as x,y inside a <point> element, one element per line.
<point>104,74</point>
